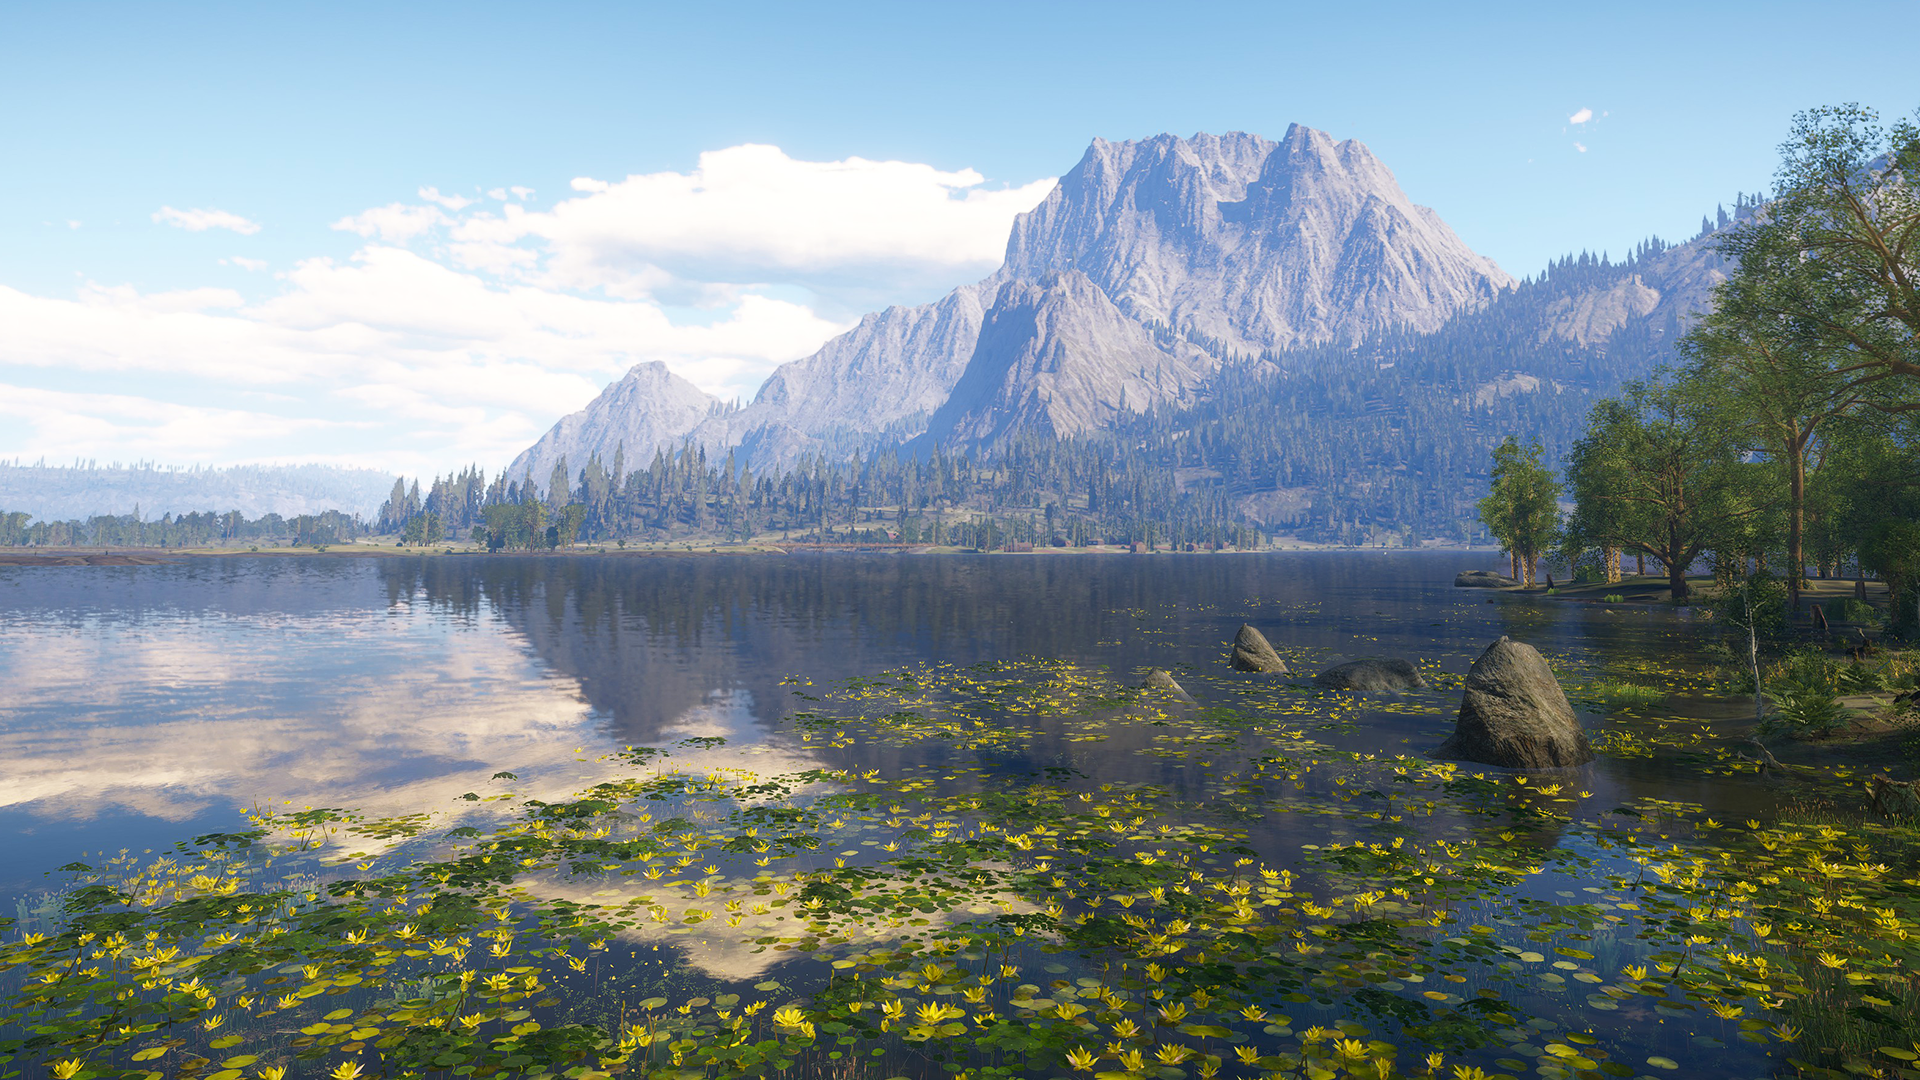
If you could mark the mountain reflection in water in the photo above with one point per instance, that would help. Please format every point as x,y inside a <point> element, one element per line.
<point>149,703</point>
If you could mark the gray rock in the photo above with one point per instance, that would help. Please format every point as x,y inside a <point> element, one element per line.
<point>1482,579</point>
<point>1252,652</point>
<point>1161,679</point>
<point>1371,675</point>
<point>1515,715</point>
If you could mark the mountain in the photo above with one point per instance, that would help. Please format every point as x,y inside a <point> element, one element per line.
<point>1058,355</point>
<point>1178,255</point>
<point>650,408</point>
<point>1269,327</point>
<point>1249,245</point>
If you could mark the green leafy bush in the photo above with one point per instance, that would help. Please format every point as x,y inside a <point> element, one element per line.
<point>1804,690</point>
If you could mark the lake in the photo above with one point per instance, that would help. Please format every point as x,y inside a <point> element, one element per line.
<point>147,705</point>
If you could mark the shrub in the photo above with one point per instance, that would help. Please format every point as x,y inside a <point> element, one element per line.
<point>1804,690</point>
<point>1852,610</point>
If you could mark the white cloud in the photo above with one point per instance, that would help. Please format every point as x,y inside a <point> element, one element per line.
<point>451,202</point>
<point>1580,146</point>
<point>1580,117</point>
<point>73,224</point>
<point>461,330</point>
<point>202,220</point>
<point>394,221</point>
<point>66,425</point>
<point>752,214</point>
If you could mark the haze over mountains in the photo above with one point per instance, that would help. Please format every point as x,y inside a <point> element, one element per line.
<point>1156,274</point>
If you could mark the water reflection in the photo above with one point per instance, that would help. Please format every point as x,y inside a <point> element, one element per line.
<point>145,701</point>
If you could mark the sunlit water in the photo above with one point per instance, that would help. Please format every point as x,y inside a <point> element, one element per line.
<point>143,705</point>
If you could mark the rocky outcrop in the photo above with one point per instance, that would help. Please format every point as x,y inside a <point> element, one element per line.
<point>1371,675</point>
<point>1482,579</point>
<point>1252,652</point>
<point>1514,714</point>
<point>1162,680</point>
<point>1057,356</point>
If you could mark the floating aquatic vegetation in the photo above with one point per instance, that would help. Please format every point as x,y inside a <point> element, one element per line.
<point>1253,903</point>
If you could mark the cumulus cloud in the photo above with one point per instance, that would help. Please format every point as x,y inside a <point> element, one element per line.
<point>461,329</point>
<point>202,220</point>
<point>752,214</point>
<point>394,221</point>
<point>1580,146</point>
<point>1580,117</point>
<point>66,424</point>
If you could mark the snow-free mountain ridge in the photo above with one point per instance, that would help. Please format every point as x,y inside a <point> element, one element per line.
<point>1151,266</point>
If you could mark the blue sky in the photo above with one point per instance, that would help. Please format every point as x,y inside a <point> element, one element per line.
<point>264,232</point>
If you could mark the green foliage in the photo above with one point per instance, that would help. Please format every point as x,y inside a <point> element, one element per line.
<point>1804,689</point>
<point>1522,509</point>
<point>1851,610</point>
<point>1655,475</point>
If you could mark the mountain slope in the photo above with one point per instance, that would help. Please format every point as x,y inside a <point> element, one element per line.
<point>1230,244</point>
<point>1253,245</point>
<point>648,409</point>
<point>1057,356</point>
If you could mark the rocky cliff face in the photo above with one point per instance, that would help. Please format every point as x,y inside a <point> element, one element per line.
<point>1148,266</point>
<point>1058,356</point>
<point>1248,245</point>
<point>650,408</point>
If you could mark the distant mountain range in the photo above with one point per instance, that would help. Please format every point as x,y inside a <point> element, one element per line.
<point>60,493</point>
<point>1162,274</point>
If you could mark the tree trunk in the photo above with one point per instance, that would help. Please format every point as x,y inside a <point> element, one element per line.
<point>1676,580</point>
<point>1640,565</point>
<point>1796,519</point>
<point>1859,582</point>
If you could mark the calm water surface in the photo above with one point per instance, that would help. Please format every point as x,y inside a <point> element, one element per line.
<point>143,705</point>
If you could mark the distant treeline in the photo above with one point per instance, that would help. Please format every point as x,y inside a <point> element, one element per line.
<point>1037,491</point>
<point>185,530</point>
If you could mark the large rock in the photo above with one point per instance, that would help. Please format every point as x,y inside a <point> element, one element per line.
<point>1482,579</point>
<point>1371,675</point>
<point>1515,715</point>
<point>1252,652</point>
<point>1163,680</point>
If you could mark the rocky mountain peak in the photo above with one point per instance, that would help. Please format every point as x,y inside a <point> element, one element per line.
<point>647,409</point>
<point>1151,263</point>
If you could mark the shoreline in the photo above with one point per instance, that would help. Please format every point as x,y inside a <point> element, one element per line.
<point>137,556</point>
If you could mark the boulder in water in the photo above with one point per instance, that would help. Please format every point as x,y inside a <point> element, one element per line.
<point>1161,679</point>
<point>1482,579</point>
<point>1252,652</point>
<point>1515,715</point>
<point>1371,675</point>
